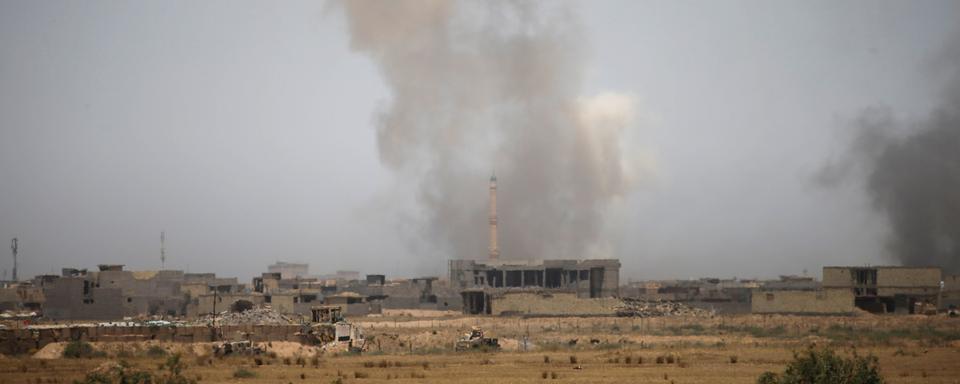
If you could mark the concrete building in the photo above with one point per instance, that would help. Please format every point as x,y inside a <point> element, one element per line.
<point>111,293</point>
<point>886,289</point>
<point>478,281</point>
<point>22,296</point>
<point>951,292</point>
<point>77,298</point>
<point>290,270</point>
<point>353,304</point>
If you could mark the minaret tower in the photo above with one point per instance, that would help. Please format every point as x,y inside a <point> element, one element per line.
<point>494,249</point>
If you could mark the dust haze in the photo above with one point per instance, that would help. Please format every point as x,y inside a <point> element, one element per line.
<point>483,87</point>
<point>678,137</point>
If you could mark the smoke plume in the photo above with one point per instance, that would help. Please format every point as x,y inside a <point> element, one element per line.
<point>914,179</point>
<point>478,87</point>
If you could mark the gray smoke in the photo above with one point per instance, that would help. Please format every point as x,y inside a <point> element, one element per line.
<point>478,87</point>
<point>914,179</point>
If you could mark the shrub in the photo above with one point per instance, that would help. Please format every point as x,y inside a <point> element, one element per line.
<point>546,359</point>
<point>174,367</point>
<point>822,366</point>
<point>360,375</point>
<point>573,359</point>
<point>544,374</point>
<point>553,375</point>
<point>768,378</point>
<point>733,359</point>
<point>96,378</point>
<point>243,373</point>
<point>120,373</point>
<point>78,349</point>
<point>156,351</point>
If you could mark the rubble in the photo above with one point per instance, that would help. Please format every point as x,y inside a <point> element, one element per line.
<point>255,316</point>
<point>641,308</point>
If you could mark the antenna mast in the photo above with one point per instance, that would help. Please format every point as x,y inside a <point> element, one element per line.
<point>163,252</point>
<point>14,246</point>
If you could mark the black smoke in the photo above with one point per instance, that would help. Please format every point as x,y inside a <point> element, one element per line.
<point>914,178</point>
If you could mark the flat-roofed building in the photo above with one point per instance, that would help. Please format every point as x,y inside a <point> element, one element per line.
<point>478,280</point>
<point>887,289</point>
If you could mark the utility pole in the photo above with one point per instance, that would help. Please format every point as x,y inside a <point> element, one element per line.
<point>163,252</point>
<point>14,246</point>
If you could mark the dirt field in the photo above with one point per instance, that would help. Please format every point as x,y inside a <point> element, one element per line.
<point>722,349</point>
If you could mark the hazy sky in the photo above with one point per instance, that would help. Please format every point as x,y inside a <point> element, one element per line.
<point>245,130</point>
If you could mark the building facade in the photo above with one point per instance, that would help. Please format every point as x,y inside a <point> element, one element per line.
<point>887,289</point>
<point>481,280</point>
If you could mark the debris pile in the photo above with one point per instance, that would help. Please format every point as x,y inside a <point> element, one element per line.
<point>641,308</point>
<point>255,316</point>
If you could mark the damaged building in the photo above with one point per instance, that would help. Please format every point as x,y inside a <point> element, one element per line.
<point>111,293</point>
<point>883,289</point>
<point>483,283</point>
<point>887,289</point>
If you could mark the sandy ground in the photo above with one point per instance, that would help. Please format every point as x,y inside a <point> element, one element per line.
<point>721,349</point>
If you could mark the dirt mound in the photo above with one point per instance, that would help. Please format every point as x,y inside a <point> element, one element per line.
<point>285,349</point>
<point>120,349</point>
<point>51,351</point>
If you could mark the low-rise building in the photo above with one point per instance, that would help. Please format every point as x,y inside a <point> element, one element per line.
<point>887,289</point>
<point>480,281</point>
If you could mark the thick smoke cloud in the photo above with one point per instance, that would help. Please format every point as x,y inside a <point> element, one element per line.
<point>478,87</point>
<point>914,179</point>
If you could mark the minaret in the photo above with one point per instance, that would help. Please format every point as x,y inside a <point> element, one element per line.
<point>494,249</point>
<point>14,246</point>
<point>163,252</point>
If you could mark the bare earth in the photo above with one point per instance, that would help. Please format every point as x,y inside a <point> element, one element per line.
<point>404,348</point>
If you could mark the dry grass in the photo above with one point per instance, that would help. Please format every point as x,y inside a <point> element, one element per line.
<point>717,350</point>
<point>699,365</point>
